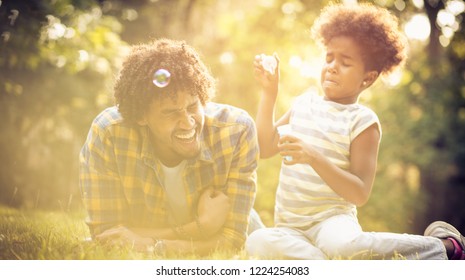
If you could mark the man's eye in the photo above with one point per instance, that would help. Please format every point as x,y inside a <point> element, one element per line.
<point>169,114</point>
<point>193,108</point>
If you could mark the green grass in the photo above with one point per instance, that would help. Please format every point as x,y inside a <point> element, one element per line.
<point>45,235</point>
<point>41,235</point>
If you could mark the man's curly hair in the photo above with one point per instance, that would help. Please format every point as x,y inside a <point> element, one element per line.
<point>134,90</point>
<point>375,30</point>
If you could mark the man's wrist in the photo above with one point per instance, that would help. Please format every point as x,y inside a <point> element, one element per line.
<point>200,228</point>
<point>206,228</point>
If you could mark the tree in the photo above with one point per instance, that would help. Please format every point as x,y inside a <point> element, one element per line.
<point>56,60</point>
<point>425,117</point>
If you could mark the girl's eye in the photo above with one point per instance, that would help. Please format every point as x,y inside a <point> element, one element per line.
<point>346,63</point>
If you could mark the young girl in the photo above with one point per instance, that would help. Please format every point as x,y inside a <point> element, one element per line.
<point>330,157</point>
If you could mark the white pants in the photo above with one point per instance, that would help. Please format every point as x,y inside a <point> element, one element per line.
<point>341,237</point>
<point>254,222</point>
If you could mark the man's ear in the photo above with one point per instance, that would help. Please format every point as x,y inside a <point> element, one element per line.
<point>370,78</point>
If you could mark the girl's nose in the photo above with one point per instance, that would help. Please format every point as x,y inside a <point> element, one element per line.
<point>332,68</point>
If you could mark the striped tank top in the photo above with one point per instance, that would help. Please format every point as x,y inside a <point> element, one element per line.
<point>303,198</point>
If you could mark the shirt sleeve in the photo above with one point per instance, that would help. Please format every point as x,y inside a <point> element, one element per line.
<point>100,184</point>
<point>363,120</point>
<point>241,185</point>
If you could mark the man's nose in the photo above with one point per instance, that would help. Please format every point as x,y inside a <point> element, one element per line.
<point>186,121</point>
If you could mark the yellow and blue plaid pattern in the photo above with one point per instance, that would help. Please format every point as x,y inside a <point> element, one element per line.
<point>121,177</point>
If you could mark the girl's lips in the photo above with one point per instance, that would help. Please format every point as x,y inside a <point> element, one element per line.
<point>330,83</point>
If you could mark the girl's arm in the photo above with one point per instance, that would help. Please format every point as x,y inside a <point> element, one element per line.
<point>267,132</point>
<point>265,120</point>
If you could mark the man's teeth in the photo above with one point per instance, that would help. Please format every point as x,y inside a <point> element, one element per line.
<point>186,136</point>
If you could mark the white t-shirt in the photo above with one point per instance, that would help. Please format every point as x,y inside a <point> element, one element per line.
<point>176,192</point>
<point>303,198</point>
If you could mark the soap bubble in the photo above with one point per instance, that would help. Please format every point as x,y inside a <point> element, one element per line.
<point>161,78</point>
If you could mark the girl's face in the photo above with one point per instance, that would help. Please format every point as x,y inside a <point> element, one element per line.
<point>343,76</point>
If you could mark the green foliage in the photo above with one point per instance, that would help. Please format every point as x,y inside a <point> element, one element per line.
<point>57,63</point>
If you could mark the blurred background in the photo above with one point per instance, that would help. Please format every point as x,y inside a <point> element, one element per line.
<point>59,58</point>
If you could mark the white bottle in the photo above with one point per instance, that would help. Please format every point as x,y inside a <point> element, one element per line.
<point>285,130</point>
<point>269,63</point>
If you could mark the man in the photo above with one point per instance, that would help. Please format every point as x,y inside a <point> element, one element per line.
<point>167,168</point>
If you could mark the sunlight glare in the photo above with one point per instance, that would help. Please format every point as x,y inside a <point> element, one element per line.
<point>445,18</point>
<point>310,70</point>
<point>69,33</point>
<point>227,58</point>
<point>444,41</point>
<point>307,69</point>
<point>55,28</point>
<point>267,3</point>
<point>60,61</point>
<point>400,5</point>
<point>102,65</point>
<point>295,61</point>
<point>290,8</point>
<point>448,32</point>
<point>418,27</point>
<point>419,4</point>
<point>455,7</point>
<point>350,2</point>
<point>393,79</point>
<point>83,56</point>
<point>130,14</point>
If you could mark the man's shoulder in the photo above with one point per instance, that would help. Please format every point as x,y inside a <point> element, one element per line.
<point>108,117</point>
<point>225,115</point>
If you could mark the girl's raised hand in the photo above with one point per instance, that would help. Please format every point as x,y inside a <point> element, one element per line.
<point>266,70</point>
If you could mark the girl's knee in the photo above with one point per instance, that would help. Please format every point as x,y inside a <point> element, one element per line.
<point>341,249</point>
<point>346,249</point>
<point>273,243</point>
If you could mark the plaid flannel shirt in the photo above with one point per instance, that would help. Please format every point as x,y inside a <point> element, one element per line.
<point>121,178</point>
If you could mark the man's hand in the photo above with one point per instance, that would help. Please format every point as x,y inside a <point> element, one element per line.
<point>121,235</point>
<point>213,209</point>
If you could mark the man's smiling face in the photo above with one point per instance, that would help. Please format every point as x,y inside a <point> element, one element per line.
<point>176,125</point>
